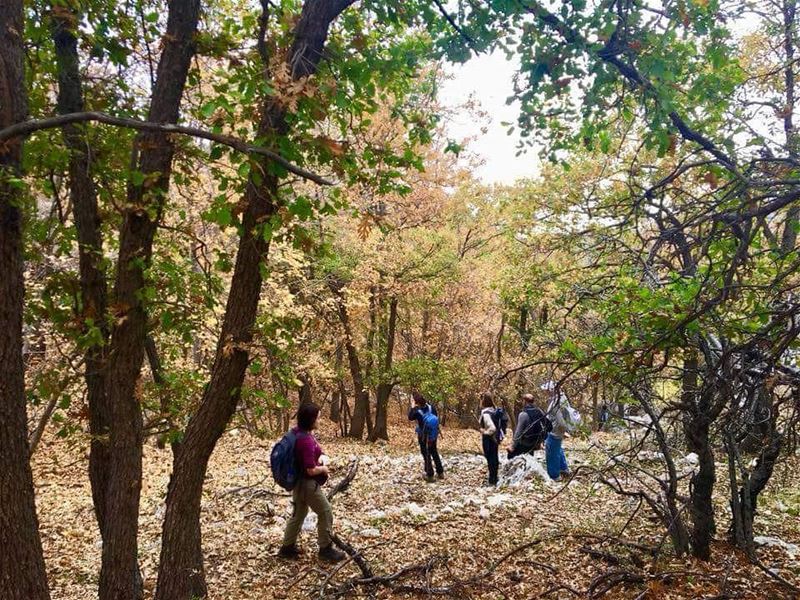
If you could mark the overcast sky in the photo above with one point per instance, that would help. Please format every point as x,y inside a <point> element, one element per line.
<point>488,79</point>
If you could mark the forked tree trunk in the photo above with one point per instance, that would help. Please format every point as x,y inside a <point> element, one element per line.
<point>119,573</point>
<point>361,413</point>
<point>181,574</point>
<point>94,293</point>
<point>22,571</point>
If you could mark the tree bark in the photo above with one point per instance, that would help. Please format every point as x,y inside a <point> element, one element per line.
<point>22,570</point>
<point>153,154</point>
<point>338,394</point>
<point>696,425</point>
<point>94,293</point>
<point>181,574</point>
<point>304,394</point>
<point>361,413</point>
<point>380,431</point>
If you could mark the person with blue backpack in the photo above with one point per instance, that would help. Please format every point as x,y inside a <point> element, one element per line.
<point>492,424</point>
<point>299,465</point>
<point>427,430</point>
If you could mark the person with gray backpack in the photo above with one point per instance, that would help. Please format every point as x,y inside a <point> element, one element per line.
<point>531,430</point>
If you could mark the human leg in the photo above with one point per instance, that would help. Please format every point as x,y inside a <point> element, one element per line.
<point>299,512</point>
<point>426,457</point>
<point>490,450</point>
<point>437,460</point>
<point>552,453</point>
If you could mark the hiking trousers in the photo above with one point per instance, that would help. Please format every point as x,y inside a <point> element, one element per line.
<point>490,448</point>
<point>308,494</point>
<point>430,455</point>
<point>554,456</point>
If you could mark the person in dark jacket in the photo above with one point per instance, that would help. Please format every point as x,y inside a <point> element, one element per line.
<point>427,447</point>
<point>489,436</point>
<point>531,430</point>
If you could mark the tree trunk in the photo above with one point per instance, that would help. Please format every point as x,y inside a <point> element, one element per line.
<point>524,335</point>
<point>702,485</point>
<point>94,293</point>
<point>304,395</point>
<point>119,573</point>
<point>181,575</point>
<point>361,413</point>
<point>22,571</point>
<point>384,390</point>
<point>696,428</point>
<point>338,394</point>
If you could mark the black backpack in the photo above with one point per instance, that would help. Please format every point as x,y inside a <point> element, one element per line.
<point>500,420</point>
<point>536,432</point>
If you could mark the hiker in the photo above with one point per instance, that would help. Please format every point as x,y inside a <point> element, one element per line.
<point>531,430</point>
<point>565,420</point>
<point>307,492</point>
<point>427,430</point>
<point>603,417</point>
<point>491,426</point>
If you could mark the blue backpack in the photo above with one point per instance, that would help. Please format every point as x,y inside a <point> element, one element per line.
<point>430,426</point>
<point>283,462</point>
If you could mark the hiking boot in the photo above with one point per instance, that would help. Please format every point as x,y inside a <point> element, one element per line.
<point>565,475</point>
<point>331,554</point>
<point>290,552</point>
<point>440,476</point>
<point>429,479</point>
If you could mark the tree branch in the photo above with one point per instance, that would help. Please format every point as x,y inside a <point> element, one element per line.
<point>25,128</point>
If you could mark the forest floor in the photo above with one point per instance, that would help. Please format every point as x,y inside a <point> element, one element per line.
<point>564,541</point>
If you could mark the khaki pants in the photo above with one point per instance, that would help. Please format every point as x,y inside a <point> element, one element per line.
<point>308,494</point>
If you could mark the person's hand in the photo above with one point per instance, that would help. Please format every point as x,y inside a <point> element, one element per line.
<point>323,470</point>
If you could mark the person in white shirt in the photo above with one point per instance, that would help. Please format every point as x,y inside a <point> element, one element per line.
<point>489,436</point>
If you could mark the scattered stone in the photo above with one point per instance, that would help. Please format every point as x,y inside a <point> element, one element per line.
<point>414,509</point>
<point>485,513</point>
<point>310,524</point>
<point>523,470</point>
<point>370,532</point>
<point>773,542</point>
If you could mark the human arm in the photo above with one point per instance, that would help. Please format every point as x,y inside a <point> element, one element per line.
<point>487,426</point>
<point>318,470</point>
<point>523,421</point>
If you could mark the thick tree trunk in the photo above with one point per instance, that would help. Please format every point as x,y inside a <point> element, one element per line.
<point>381,432</point>
<point>181,574</point>
<point>119,573</point>
<point>696,424</point>
<point>94,293</point>
<point>702,485</point>
<point>22,571</point>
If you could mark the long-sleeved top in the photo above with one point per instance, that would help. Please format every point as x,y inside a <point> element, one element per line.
<point>524,421</point>
<point>555,412</point>
<point>486,424</point>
